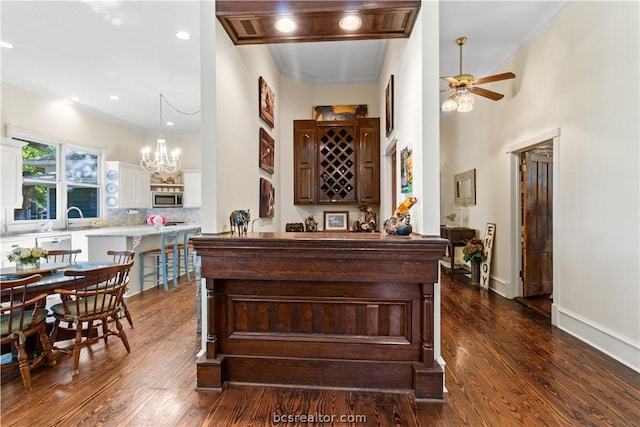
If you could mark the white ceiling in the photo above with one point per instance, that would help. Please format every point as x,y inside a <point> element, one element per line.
<point>93,49</point>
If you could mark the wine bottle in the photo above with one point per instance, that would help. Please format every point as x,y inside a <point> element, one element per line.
<point>404,207</point>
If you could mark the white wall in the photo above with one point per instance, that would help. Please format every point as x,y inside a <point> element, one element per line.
<point>61,119</point>
<point>568,78</point>
<point>238,69</point>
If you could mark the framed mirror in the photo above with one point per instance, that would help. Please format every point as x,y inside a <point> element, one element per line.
<point>464,188</point>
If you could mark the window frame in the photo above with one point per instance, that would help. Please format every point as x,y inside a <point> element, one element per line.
<point>61,183</point>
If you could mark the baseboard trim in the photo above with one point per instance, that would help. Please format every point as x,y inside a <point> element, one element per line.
<point>500,287</point>
<point>622,349</point>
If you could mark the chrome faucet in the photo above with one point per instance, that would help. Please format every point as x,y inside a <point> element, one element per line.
<point>66,215</point>
<point>257,219</point>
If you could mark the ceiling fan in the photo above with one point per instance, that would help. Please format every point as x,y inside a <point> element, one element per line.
<point>464,85</point>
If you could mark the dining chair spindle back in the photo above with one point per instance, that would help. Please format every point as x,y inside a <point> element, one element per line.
<point>91,304</point>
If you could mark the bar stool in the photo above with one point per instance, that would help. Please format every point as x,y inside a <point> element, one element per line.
<point>164,262</point>
<point>186,253</point>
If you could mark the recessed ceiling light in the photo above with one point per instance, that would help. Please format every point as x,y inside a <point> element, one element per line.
<point>183,35</point>
<point>6,45</point>
<point>350,23</point>
<point>74,98</point>
<point>114,97</point>
<point>285,25</point>
<point>169,123</point>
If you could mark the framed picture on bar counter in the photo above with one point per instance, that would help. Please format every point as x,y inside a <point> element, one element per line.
<point>336,221</point>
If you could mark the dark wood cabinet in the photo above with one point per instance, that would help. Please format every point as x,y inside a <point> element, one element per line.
<point>304,146</point>
<point>337,161</point>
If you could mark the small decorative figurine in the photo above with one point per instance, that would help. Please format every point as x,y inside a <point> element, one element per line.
<point>310,224</point>
<point>239,220</point>
<point>366,221</point>
<point>400,222</point>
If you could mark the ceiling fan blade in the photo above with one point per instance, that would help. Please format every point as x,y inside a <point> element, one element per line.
<point>494,78</point>
<point>451,81</point>
<point>487,93</point>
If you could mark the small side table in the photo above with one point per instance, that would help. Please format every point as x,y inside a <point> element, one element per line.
<point>457,236</point>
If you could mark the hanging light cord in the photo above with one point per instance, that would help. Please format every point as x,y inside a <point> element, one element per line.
<point>174,108</point>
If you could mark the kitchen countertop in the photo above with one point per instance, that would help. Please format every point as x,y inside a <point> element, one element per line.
<point>138,230</point>
<point>128,231</point>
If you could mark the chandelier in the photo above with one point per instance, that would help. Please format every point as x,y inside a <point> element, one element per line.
<point>160,161</point>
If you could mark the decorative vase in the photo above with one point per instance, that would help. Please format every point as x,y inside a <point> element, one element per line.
<point>27,265</point>
<point>475,272</point>
<point>158,226</point>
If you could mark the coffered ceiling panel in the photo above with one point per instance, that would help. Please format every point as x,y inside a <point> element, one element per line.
<point>254,22</point>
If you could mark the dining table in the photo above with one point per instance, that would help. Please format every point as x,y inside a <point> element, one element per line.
<point>53,276</point>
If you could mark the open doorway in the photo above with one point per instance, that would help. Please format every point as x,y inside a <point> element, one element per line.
<point>536,190</point>
<point>545,150</point>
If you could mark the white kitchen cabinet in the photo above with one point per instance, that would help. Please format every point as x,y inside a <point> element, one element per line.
<point>11,173</point>
<point>127,186</point>
<point>192,189</point>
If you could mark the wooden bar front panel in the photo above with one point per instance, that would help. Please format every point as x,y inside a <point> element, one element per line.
<point>297,317</point>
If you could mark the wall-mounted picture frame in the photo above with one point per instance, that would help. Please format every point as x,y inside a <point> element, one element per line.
<point>267,151</point>
<point>336,221</point>
<point>267,199</point>
<point>388,106</point>
<point>339,112</point>
<point>267,102</point>
<point>406,169</point>
<point>464,188</point>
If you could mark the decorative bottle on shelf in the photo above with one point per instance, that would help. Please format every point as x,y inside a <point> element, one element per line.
<point>404,207</point>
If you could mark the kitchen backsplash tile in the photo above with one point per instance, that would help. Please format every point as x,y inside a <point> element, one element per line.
<point>120,217</point>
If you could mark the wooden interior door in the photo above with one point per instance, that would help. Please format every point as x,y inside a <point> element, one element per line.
<point>537,224</point>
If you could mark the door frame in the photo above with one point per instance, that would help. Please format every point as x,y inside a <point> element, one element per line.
<point>515,287</point>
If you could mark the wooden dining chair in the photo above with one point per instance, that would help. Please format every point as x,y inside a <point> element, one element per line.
<point>124,257</point>
<point>92,303</point>
<point>64,255</point>
<point>21,318</point>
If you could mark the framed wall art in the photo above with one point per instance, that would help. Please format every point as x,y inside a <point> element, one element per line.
<point>336,221</point>
<point>388,106</point>
<point>339,112</point>
<point>267,154</point>
<point>267,103</point>
<point>267,199</point>
<point>406,169</point>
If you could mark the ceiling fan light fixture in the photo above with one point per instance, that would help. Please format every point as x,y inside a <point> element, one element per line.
<point>467,98</point>
<point>449,105</point>
<point>464,108</point>
<point>350,23</point>
<point>285,25</point>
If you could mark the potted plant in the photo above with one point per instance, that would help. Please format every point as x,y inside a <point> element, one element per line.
<point>27,258</point>
<point>473,253</point>
<point>158,221</point>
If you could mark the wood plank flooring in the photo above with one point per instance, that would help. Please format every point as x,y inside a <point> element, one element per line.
<point>506,366</point>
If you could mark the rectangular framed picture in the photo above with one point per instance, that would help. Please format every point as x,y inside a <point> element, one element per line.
<point>267,147</point>
<point>267,102</point>
<point>267,199</point>
<point>336,221</point>
<point>388,106</point>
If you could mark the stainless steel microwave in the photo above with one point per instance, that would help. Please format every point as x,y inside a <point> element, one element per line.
<point>166,199</point>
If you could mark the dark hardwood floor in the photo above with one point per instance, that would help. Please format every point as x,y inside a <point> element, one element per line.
<point>506,366</point>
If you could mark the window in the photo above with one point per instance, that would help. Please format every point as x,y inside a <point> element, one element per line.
<point>57,176</point>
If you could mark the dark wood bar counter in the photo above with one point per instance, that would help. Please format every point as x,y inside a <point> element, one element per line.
<point>337,310</point>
